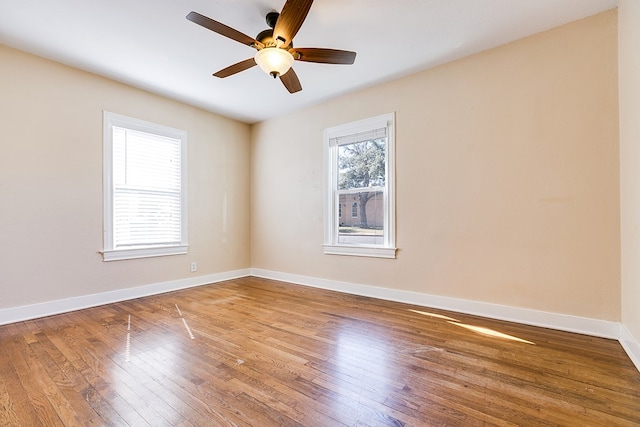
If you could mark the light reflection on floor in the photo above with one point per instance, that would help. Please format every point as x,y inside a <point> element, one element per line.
<point>186,325</point>
<point>151,356</point>
<point>477,329</point>
<point>361,358</point>
<point>127,348</point>
<point>491,333</point>
<point>438,316</point>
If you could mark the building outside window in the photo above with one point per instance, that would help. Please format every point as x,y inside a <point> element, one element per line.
<point>354,209</point>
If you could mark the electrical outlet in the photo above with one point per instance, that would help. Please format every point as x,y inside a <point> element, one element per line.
<point>194,266</point>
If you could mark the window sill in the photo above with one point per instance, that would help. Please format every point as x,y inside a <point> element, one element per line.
<point>365,251</point>
<point>121,254</point>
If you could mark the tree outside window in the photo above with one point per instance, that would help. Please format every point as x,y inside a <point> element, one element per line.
<point>362,166</point>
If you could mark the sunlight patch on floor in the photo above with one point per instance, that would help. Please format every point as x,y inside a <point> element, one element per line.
<point>127,347</point>
<point>184,321</point>
<point>437,316</point>
<point>490,332</point>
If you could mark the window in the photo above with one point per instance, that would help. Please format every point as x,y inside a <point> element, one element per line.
<point>145,188</point>
<point>359,172</point>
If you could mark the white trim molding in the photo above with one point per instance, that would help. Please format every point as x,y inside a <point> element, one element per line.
<point>120,254</point>
<point>50,308</point>
<point>563,322</point>
<point>368,251</point>
<point>630,345</point>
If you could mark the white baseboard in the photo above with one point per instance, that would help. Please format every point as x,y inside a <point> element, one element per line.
<point>630,345</point>
<point>563,322</point>
<point>26,312</point>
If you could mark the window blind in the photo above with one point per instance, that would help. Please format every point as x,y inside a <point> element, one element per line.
<point>359,137</point>
<point>146,189</point>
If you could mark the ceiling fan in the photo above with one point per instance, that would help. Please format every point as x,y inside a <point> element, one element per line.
<point>275,52</point>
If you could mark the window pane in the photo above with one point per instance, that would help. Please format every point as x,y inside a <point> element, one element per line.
<point>145,160</point>
<point>364,224</point>
<point>362,164</point>
<point>146,218</point>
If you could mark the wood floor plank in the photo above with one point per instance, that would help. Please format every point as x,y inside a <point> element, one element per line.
<point>135,389</point>
<point>67,363</point>
<point>40,405</point>
<point>8,414</point>
<point>257,352</point>
<point>14,398</point>
<point>205,399</point>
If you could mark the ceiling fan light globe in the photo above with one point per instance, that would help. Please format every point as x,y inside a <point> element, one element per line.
<point>274,61</point>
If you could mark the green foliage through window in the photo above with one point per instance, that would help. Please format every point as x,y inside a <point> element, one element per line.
<point>362,164</point>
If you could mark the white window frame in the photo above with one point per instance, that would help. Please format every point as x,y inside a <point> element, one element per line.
<point>331,220</point>
<point>109,252</point>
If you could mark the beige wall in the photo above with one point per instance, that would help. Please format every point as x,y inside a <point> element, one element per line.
<point>51,184</point>
<point>629,69</point>
<point>507,178</point>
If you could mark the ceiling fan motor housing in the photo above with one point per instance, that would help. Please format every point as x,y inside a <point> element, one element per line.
<point>266,37</point>
<point>272,18</point>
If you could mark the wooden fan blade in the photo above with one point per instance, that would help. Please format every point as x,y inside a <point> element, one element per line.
<point>291,18</point>
<point>290,81</point>
<point>222,29</point>
<point>236,68</point>
<point>325,56</point>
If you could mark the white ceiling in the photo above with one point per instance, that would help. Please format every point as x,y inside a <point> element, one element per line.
<point>149,43</point>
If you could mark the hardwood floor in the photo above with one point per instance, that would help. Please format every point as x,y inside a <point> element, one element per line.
<point>254,352</point>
